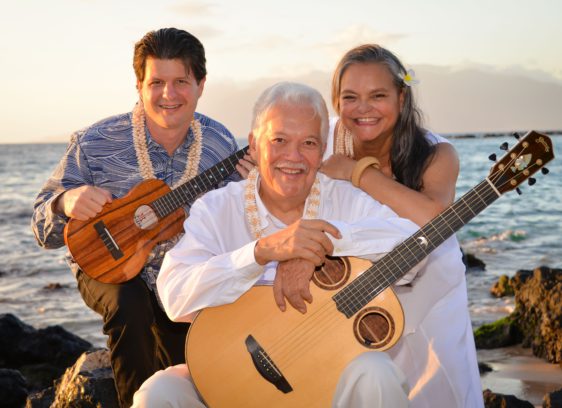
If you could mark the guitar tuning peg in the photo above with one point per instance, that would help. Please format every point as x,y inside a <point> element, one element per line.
<point>532,181</point>
<point>504,146</point>
<point>516,135</point>
<point>544,170</point>
<point>492,157</point>
<point>518,191</point>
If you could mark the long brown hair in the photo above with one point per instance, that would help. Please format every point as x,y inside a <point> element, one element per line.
<point>410,151</point>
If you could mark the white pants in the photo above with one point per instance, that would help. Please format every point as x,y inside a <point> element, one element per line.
<point>371,380</point>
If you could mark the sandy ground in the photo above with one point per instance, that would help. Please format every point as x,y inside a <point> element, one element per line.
<point>516,371</point>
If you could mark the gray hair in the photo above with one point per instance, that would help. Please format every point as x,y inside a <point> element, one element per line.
<point>295,94</point>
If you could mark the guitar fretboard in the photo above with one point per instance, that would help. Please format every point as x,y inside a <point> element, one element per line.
<point>393,266</point>
<point>190,190</point>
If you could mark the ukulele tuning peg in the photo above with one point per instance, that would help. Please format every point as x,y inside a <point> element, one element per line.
<point>504,146</point>
<point>532,181</point>
<point>544,170</point>
<point>518,191</point>
<point>516,135</point>
<point>492,157</point>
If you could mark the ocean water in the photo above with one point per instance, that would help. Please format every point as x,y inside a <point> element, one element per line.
<point>515,232</point>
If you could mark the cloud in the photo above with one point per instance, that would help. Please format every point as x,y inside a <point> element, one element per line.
<point>481,100</point>
<point>457,99</point>
<point>514,70</point>
<point>453,99</point>
<point>195,8</point>
<point>231,102</point>
<point>355,35</point>
<point>203,32</point>
<point>262,43</point>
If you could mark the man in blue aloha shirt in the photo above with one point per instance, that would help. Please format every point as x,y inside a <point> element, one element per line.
<point>163,138</point>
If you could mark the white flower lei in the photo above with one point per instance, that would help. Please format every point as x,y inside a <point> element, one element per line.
<point>141,149</point>
<point>251,207</point>
<point>344,140</point>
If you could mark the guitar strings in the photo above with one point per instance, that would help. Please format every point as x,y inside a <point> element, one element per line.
<point>301,334</point>
<point>304,342</point>
<point>318,317</point>
<point>442,219</point>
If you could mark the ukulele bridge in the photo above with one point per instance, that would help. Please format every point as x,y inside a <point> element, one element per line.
<point>108,240</point>
<point>266,367</point>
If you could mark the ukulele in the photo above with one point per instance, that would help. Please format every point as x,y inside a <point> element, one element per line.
<point>113,246</point>
<point>250,354</point>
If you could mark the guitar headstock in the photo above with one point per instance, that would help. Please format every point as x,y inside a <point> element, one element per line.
<point>527,157</point>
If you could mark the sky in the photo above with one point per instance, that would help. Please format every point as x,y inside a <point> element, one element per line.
<point>483,65</point>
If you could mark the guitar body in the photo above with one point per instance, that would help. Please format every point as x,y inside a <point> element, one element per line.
<point>113,246</point>
<point>310,350</point>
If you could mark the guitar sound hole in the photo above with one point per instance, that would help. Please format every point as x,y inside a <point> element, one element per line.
<point>374,327</point>
<point>333,274</point>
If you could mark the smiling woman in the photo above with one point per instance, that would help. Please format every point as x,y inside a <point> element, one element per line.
<point>416,170</point>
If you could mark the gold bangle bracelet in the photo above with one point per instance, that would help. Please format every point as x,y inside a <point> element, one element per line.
<point>360,167</point>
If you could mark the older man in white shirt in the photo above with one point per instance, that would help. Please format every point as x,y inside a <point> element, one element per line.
<point>276,227</point>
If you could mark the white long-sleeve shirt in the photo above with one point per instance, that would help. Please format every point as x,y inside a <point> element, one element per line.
<point>214,262</point>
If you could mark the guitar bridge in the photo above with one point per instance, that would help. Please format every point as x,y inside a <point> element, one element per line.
<point>108,240</point>
<point>266,367</point>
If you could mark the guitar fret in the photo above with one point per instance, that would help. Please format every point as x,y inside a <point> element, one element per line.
<point>462,199</point>
<point>157,207</point>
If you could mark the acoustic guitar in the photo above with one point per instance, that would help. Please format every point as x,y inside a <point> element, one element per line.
<point>113,246</point>
<point>250,354</point>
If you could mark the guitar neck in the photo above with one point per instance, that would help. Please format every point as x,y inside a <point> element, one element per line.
<point>393,266</point>
<point>190,190</point>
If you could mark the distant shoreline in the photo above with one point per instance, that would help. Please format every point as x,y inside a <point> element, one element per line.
<point>481,135</point>
<point>460,135</point>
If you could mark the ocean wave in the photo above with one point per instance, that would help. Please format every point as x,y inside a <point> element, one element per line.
<point>506,308</point>
<point>507,235</point>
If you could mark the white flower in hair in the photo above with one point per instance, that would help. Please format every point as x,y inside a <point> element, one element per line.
<point>409,78</point>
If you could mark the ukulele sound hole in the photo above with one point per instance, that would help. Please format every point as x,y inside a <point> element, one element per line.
<point>374,327</point>
<point>333,274</point>
<point>145,217</point>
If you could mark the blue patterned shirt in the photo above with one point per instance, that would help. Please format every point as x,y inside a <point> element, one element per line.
<point>103,155</point>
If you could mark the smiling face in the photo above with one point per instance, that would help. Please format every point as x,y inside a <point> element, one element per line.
<point>288,152</point>
<point>169,93</point>
<point>369,102</point>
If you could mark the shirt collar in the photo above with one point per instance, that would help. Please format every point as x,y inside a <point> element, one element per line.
<point>184,147</point>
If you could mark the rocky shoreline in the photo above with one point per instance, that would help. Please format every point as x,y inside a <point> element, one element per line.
<point>51,367</point>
